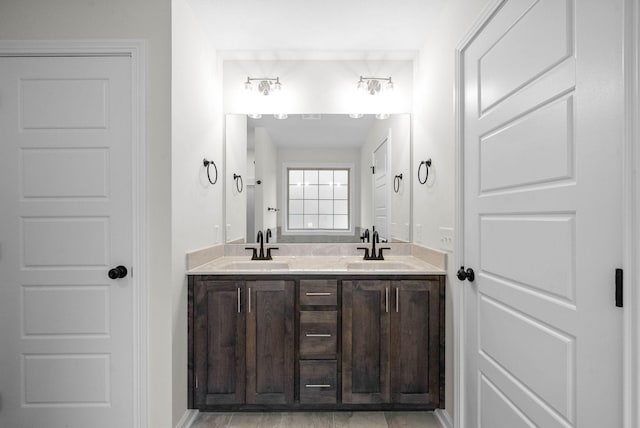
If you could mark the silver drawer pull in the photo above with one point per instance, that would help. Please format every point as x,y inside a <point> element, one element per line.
<point>318,294</point>
<point>317,386</point>
<point>317,335</point>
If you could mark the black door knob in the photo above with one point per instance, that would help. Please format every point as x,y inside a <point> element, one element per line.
<point>466,274</point>
<point>118,272</point>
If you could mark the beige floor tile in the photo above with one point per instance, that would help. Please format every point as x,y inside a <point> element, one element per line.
<point>307,420</point>
<point>212,420</point>
<point>411,420</point>
<point>256,420</point>
<point>359,420</point>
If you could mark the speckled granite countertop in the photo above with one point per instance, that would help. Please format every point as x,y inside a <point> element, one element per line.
<point>305,259</point>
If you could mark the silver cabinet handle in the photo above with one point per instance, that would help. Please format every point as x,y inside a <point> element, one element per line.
<point>318,294</point>
<point>386,299</point>
<point>397,299</point>
<point>238,299</point>
<point>318,385</point>
<point>249,299</point>
<point>317,335</point>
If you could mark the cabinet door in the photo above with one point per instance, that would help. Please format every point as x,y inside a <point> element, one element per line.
<point>270,342</point>
<point>365,341</point>
<point>415,342</point>
<point>219,345</point>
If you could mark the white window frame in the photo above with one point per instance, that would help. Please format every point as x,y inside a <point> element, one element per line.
<point>285,198</point>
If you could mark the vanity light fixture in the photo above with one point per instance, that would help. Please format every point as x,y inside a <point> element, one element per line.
<point>373,85</point>
<point>356,115</point>
<point>281,116</point>
<point>382,116</point>
<point>254,116</point>
<point>265,85</point>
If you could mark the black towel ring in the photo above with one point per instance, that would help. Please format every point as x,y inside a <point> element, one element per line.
<point>239,182</point>
<point>427,164</point>
<point>396,183</point>
<point>207,164</point>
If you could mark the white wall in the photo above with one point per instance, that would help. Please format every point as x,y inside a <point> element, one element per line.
<point>196,133</point>
<point>434,137</point>
<point>266,154</point>
<point>399,128</point>
<point>236,163</point>
<point>401,164</point>
<point>317,87</point>
<point>149,20</point>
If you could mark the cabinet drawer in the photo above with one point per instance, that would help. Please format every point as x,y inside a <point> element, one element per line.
<point>318,292</point>
<point>318,334</point>
<point>318,381</point>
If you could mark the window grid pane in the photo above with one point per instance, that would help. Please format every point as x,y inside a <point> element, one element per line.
<point>318,199</point>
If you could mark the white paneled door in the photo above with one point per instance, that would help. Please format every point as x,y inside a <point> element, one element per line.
<point>66,328</point>
<point>543,130</point>
<point>381,196</point>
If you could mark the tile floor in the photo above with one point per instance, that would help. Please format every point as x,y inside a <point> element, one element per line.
<point>317,420</point>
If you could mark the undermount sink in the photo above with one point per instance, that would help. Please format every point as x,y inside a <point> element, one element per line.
<point>257,265</point>
<point>379,265</point>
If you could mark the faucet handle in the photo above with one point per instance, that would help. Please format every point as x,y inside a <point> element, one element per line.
<point>380,255</point>
<point>366,252</point>
<point>254,256</point>
<point>269,252</point>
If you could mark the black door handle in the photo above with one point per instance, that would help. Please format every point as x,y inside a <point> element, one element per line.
<point>118,272</point>
<point>466,274</point>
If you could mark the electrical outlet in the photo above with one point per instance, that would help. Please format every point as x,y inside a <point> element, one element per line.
<point>446,239</point>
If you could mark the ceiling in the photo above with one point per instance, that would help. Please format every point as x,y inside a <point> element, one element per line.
<point>304,26</point>
<point>336,131</point>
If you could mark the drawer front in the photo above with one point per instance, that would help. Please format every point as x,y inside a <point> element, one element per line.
<point>318,381</point>
<point>318,292</point>
<point>318,334</point>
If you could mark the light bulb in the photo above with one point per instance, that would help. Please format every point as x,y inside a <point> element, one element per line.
<point>255,115</point>
<point>382,116</point>
<point>356,115</point>
<point>390,86</point>
<point>281,116</point>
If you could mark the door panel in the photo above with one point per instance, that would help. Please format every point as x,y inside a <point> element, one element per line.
<point>415,342</point>
<point>365,341</point>
<point>541,228</point>
<point>219,345</point>
<point>270,342</point>
<point>381,208</point>
<point>66,132</point>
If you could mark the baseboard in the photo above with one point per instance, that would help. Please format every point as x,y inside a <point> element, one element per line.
<point>443,418</point>
<point>187,418</point>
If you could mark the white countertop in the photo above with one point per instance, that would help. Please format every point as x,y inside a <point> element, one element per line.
<point>309,265</point>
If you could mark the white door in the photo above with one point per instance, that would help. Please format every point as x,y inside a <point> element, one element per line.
<point>381,190</point>
<point>543,131</point>
<point>66,330</point>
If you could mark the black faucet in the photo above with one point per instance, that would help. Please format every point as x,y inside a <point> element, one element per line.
<point>373,256</point>
<point>261,255</point>
<point>365,236</point>
<point>267,235</point>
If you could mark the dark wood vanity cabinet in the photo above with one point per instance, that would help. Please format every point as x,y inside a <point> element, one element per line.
<point>316,343</point>
<point>391,341</point>
<point>242,342</point>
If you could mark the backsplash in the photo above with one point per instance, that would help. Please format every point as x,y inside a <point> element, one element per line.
<point>434,257</point>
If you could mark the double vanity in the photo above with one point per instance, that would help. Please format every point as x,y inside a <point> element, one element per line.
<point>316,328</point>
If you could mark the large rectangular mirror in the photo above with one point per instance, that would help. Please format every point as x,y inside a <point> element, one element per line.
<point>318,177</point>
